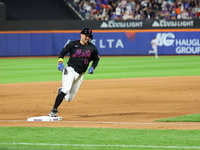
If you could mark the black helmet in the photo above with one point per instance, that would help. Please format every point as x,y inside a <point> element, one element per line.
<point>86,31</point>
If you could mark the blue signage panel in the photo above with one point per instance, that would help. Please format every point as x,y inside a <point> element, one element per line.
<point>108,43</point>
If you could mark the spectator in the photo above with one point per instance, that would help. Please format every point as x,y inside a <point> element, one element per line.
<point>92,3</point>
<point>105,12</point>
<point>159,3</point>
<point>132,3</point>
<point>98,5</point>
<point>178,10</point>
<point>173,13</point>
<point>128,15</point>
<point>155,7</point>
<point>144,4</point>
<point>113,6</point>
<point>148,14</point>
<point>186,4</point>
<point>138,16</point>
<point>122,4</point>
<point>118,12</point>
<point>191,13</point>
<point>95,15</point>
<point>76,2</point>
<point>85,6</point>
<point>130,6</point>
<point>197,11</point>
<point>114,16</point>
<point>165,13</point>
<point>139,9</point>
<point>185,14</point>
<point>192,4</point>
<point>159,15</point>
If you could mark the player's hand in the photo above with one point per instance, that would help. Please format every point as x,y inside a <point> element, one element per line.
<point>60,66</point>
<point>91,70</point>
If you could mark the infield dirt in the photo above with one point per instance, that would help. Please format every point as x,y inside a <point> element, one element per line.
<point>116,103</point>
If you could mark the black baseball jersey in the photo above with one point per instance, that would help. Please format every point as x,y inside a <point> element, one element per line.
<point>80,55</point>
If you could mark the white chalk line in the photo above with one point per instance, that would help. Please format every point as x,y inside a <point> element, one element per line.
<point>99,145</point>
<point>106,122</point>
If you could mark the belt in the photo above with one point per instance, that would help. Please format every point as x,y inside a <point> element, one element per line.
<point>79,72</point>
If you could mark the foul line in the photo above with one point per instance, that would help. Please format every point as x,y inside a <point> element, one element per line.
<point>105,122</point>
<point>98,145</point>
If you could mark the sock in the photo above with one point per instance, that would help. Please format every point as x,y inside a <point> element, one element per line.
<point>59,100</point>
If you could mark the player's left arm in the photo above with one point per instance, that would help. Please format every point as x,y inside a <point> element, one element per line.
<point>95,62</point>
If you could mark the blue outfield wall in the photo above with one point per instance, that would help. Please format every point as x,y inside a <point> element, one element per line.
<point>128,42</point>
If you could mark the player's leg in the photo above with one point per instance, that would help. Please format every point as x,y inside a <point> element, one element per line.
<point>156,52</point>
<point>74,89</point>
<point>67,80</point>
<point>150,51</point>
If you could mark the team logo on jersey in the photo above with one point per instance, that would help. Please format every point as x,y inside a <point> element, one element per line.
<point>80,53</point>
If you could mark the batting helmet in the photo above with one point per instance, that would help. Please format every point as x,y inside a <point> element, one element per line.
<point>87,31</point>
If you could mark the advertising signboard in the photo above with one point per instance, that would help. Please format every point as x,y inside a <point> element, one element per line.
<point>108,42</point>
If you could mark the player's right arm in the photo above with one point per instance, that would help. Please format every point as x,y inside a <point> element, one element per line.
<point>65,50</point>
<point>62,54</point>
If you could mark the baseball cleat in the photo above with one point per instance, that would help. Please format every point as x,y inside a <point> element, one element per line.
<point>53,113</point>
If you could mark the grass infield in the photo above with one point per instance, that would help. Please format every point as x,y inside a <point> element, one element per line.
<point>49,138</point>
<point>17,70</point>
<point>186,118</point>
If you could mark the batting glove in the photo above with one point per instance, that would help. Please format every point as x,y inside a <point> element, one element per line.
<point>60,66</point>
<point>91,70</point>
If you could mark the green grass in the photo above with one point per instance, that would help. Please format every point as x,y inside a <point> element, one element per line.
<point>34,138</point>
<point>45,69</point>
<point>185,118</point>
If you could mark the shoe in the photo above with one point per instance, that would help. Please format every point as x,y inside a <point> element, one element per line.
<point>149,52</point>
<point>53,113</point>
<point>59,90</point>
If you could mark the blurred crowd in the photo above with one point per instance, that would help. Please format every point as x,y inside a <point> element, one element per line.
<point>138,9</point>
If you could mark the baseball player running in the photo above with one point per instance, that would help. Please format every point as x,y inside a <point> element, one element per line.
<point>154,45</point>
<point>81,53</point>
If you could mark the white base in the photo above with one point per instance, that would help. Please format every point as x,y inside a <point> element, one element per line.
<point>44,118</point>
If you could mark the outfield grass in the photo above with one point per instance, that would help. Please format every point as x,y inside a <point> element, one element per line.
<point>45,69</point>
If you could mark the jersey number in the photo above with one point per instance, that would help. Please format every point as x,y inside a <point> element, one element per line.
<point>86,61</point>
